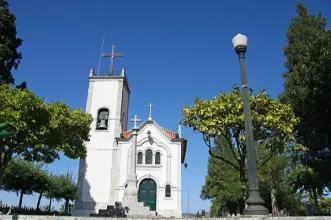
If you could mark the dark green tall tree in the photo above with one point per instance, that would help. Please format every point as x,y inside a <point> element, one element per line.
<point>223,184</point>
<point>308,89</point>
<point>10,57</point>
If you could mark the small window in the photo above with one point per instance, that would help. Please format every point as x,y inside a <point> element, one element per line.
<point>149,157</point>
<point>168,191</point>
<point>140,158</point>
<point>158,158</point>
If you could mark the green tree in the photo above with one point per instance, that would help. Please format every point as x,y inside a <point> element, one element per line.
<point>71,207</point>
<point>226,191</point>
<point>326,206</point>
<point>307,89</point>
<point>67,190</point>
<point>203,213</point>
<point>20,177</point>
<point>305,179</point>
<point>223,184</point>
<point>271,175</point>
<point>53,189</point>
<point>43,130</point>
<point>42,183</point>
<point>273,126</point>
<point>9,43</point>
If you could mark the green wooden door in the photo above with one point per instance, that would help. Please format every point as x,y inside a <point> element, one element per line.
<point>147,193</point>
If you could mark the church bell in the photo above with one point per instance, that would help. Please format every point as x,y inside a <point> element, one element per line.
<point>102,124</point>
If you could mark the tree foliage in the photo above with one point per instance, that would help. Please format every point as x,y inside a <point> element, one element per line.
<point>273,125</point>
<point>9,43</point>
<point>227,192</point>
<point>223,184</point>
<point>66,189</point>
<point>273,122</point>
<point>307,86</point>
<point>26,178</point>
<point>43,130</point>
<point>22,177</point>
<point>222,120</point>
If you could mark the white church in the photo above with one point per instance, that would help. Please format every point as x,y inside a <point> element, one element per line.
<point>139,167</point>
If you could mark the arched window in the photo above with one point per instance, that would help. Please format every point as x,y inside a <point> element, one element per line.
<point>140,158</point>
<point>149,157</point>
<point>168,191</point>
<point>158,158</point>
<point>102,119</point>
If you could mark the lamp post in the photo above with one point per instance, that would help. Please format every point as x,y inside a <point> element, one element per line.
<point>254,201</point>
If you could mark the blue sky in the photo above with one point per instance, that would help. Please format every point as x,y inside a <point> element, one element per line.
<point>174,51</point>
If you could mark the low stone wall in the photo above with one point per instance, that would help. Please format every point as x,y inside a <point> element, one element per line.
<point>31,217</point>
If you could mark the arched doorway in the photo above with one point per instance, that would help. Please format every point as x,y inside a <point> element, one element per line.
<point>147,193</point>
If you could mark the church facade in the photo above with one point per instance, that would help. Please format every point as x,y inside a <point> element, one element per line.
<point>148,154</point>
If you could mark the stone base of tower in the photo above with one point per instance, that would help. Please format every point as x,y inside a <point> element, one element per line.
<point>137,209</point>
<point>83,212</point>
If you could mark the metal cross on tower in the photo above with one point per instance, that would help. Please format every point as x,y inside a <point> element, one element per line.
<point>150,111</point>
<point>135,120</point>
<point>112,55</point>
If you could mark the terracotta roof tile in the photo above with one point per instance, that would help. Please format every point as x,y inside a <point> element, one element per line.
<point>170,134</point>
<point>127,134</point>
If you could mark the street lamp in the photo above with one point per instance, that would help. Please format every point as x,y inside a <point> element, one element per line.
<point>254,201</point>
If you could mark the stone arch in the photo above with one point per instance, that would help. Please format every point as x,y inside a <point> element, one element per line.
<point>148,176</point>
<point>148,193</point>
<point>158,143</point>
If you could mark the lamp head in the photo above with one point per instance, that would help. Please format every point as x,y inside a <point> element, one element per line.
<point>240,43</point>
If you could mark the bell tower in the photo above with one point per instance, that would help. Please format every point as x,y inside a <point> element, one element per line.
<point>108,103</point>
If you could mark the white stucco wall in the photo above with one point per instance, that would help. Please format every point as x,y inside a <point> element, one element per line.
<point>105,93</point>
<point>96,186</point>
<point>106,167</point>
<point>170,153</point>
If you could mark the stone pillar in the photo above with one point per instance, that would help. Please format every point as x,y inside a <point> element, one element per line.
<point>81,177</point>
<point>131,191</point>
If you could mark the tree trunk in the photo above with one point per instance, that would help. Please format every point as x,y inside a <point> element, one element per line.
<point>66,207</point>
<point>39,199</point>
<point>4,160</point>
<point>21,200</point>
<point>2,167</point>
<point>315,201</point>
<point>69,209</point>
<point>50,205</point>
<point>274,205</point>
<point>2,172</point>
